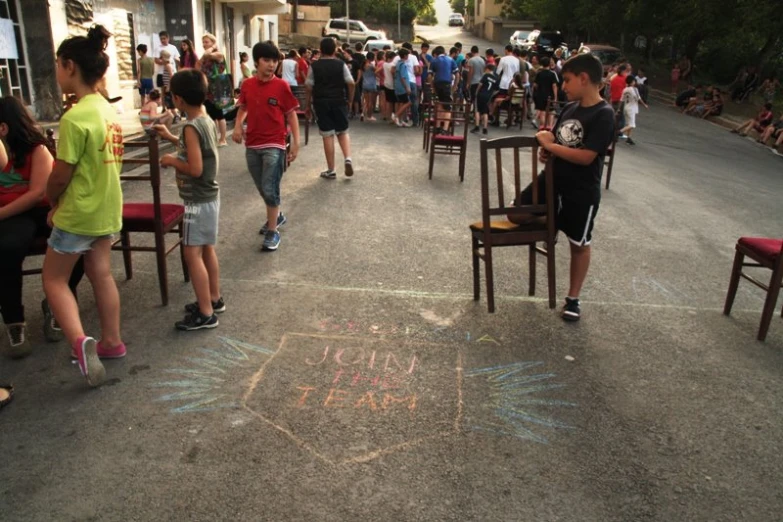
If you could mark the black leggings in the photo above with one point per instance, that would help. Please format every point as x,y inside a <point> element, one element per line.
<point>17,235</point>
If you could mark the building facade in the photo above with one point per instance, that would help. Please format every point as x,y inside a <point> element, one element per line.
<point>27,61</point>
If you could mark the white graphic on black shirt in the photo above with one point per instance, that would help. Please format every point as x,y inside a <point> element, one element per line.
<point>570,133</point>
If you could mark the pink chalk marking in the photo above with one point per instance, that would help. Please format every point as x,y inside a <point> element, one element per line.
<point>326,353</point>
<point>338,376</point>
<point>357,377</point>
<point>372,360</point>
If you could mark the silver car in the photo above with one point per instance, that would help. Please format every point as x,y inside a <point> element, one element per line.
<point>519,38</point>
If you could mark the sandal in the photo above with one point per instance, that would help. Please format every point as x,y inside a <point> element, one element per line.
<point>6,395</point>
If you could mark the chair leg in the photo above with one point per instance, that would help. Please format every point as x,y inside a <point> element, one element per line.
<point>489,278</point>
<point>609,169</point>
<point>163,280</point>
<point>532,269</point>
<point>770,302</point>
<point>551,273</point>
<point>476,275</point>
<point>126,254</point>
<point>462,154</point>
<point>739,257</point>
<point>432,158</point>
<point>426,128</point>
<point>185,272</point>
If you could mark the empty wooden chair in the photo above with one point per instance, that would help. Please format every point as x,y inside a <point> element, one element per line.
<point>301,112</point>
<point>454,142</point>
<point>156,218</point>
<point>499,232</point>
<point>766,253</point>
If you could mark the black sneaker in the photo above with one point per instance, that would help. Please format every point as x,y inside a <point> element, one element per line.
<point>629,141</point>
<point>218,307</point>
<point>571,310</point>
<point>197,321</point>
<point>52,331</point>
<point>484,131</point>
<point>475,130</point>
<point>281,220</point>
<point>348,168</point>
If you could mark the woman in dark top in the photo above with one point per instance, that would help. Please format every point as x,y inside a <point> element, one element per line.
<point>25,166</point>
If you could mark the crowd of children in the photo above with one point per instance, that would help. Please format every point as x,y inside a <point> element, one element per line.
<point>89,154</point>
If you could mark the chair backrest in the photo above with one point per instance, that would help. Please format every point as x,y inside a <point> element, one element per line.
<point>152,144</point>
<point>459,114</point>
<point>516,145</point>
<point>300,91</point>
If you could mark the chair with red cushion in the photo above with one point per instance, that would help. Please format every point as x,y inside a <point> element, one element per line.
<point>301,96</point>
<point>156,218</point>
<point>488,233</point>
<point>767,253</point>
<point>448,142</point>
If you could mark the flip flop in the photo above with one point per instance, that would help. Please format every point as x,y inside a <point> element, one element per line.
<point>9,390</point>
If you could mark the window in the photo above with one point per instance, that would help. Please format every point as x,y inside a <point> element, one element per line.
<point>356,27</point>
<point>338,24</point>
<point>246,24</point>
<point>209,19</point>
<point>13,72</point>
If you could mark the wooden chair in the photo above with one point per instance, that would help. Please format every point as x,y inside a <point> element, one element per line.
<point>552,107</point>
<point>609,157</point>
<point>488,234</point>
<point>450,143</point>
<point>766,253</point>
<point>301,96</point>
<point>156,218</point>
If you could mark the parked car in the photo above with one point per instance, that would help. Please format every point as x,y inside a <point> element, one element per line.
<point>606,53</point>
<point>456,19</point>
<point>338,28</point>
<point>378,45</point>
<point>545,43</point>
<point>519,38</point>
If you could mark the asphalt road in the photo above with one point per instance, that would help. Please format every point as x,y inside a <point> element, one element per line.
<point>354,378</point>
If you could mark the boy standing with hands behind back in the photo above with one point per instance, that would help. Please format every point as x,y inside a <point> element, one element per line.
<point>578,144</point>
<point>268,104</point>
<point>196,163</point>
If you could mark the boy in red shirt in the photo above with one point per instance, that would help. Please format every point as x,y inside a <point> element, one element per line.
<point>617,86</point>
<point>268,104</point>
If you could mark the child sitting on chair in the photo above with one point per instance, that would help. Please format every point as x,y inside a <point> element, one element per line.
<point>150,113</point>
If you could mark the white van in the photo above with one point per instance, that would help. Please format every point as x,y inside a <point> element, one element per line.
<point>338,28</point>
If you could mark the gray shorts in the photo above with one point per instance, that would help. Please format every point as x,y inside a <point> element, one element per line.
<point>201,223</point>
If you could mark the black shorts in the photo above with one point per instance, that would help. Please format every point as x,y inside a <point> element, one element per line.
<point>403,98</point>
<point>213,112</point>
<point>482,103</point>
<point>159,81</point>
<point>573,217</point>
<point>443,92</point>
<point>390,96</point>
<point>540,103</point>
<point>473,90</point>
<point>332,117</point>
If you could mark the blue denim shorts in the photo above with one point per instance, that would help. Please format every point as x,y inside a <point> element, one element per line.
<point>64,242</point>
<point>266,167</point>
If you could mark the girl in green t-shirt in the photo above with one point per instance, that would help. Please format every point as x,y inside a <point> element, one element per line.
<point>84,190</point>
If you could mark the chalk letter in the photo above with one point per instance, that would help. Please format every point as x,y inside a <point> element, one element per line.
<point>338,357</point>
<point>326,352</point>
<point>337,376</point>
<point>487,339</point>
<point>368,399</point>
<point>303,398</point>
<point>388,360</point>
<point>413,364</point>
<point>357,377</point>
<point>333,397</point>
<point>390,400</point>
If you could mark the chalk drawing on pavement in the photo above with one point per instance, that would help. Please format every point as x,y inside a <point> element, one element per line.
<point>201,384</point>
<point>514,401</point>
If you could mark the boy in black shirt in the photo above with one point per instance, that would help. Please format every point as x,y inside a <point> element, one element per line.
<point>578,144</point>
<point>545,87</point>
<point>487,88</point>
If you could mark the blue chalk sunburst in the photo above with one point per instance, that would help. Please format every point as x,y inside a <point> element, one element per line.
<point>515,410</point>
<point>201,385</point>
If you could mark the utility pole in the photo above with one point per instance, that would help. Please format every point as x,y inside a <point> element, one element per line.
<point>399,26</point>
<point>348,19</point>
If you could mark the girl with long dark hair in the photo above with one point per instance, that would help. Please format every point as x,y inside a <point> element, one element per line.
<point>188,58</point>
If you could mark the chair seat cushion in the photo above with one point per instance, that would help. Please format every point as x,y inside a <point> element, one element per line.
<point>142,215</point>
<point>496,226</point>
<point>445,138</point>
<point>763,247</point>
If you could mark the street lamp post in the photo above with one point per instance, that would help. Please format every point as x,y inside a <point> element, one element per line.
<point>348,19</point>
<point>399,27</point>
